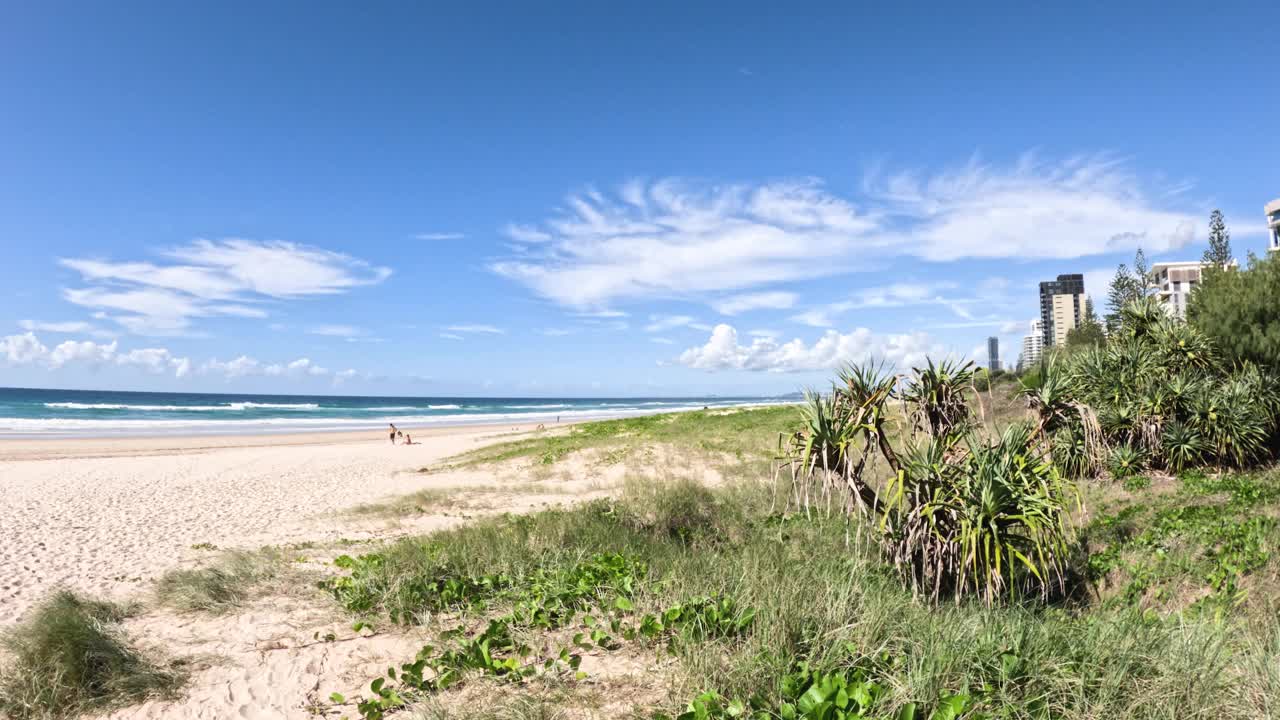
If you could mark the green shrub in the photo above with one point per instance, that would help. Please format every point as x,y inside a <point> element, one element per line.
<point>961,513</point>
<point>1125,461</point>
<point>1161,388</point>
<point>69,658</point>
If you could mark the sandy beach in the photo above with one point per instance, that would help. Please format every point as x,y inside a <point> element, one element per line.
<point>106,516</point>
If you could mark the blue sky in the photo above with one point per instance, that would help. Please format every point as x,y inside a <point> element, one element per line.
<point>593,199</point>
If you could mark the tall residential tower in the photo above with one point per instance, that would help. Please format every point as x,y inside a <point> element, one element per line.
<point>1061,307</point>
<point>993,354</point>
<point>1032,346</point>
<point>1273,224</point>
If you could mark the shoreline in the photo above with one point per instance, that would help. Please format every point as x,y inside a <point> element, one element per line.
<point>24,448</point>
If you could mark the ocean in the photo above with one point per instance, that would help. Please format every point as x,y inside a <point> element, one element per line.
<point>55,413</point>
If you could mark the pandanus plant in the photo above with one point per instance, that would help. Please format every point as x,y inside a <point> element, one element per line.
<point>957,512</point>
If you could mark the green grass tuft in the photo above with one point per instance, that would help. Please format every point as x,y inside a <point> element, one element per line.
<point>221,587</point>
<point>69,657</point>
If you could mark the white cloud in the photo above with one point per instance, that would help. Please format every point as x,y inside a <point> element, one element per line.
<point>343,331</point>
<point>440,236</point>
<point>246,366</point>
<point>662,341</point>
<point>526,234</point>
<point>26,349</point>
<point>156,361</point>
<point>555,332</point>
<point>659,323</point>
<point>723,352</point>
<point>451,336</point>
<point>476,329</point>
<point>240,367</point>
<point>22,349</point>
<point>208,278</point>
<point>755,301</point>
<point>1085,205</point>
<point>72,327</point>
<point>675,239</point>
<point>83,351</point>
<point>304,366</point>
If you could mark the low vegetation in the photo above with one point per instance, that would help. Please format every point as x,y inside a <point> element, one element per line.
<point>1158,395</point>
<point>767,614</point>
<point>747,436</point>
<point>69,657</point>
<point>222,586</point>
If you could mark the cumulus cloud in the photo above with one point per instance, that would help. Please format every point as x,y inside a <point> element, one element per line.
<point>85,351</point>
<point>156,361</point>
<point>22,349</point>
<point>722,351</point>
<point>674,238</point>
<point>736,304</point>
<point>27,349</point>
<point>210,278</point>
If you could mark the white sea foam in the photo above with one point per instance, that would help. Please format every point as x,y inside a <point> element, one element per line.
<point>236,406</point>
<point>537,407</point>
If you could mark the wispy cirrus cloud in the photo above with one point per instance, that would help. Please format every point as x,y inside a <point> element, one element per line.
<point>675,238</point>
<point>72,327</point>
<point>475,329</point>
<point>440,236</point>
<point>737,304</point>
<point>212,278</point>
<point>342,331</point>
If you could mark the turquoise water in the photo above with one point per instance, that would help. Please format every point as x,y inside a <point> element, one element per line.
<point>35,413</point>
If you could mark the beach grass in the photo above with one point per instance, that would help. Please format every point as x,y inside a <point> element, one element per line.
<point>449,499</point>
<point>226,584</point>
<point>69,657</point>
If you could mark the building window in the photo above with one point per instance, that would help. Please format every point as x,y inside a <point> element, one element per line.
<point>1177,286</point>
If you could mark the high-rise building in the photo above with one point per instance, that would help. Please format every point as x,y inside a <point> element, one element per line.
<point>993,354</point>
<point>1174,281</point>
<point>1032,346</point>
<point>1273,224</point>
<point>1061,307</point>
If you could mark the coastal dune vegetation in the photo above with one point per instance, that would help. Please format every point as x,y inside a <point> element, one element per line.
<point>1094,541</point>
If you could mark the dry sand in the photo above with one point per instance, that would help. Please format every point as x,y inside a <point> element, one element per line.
<point>109,516</point>
<point>105,516</point>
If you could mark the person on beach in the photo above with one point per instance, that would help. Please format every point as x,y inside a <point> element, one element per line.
<point>393,433</point>
<point>408,439</point>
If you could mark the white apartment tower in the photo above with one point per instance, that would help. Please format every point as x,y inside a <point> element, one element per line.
<point>1174,281</point>
<point>1032,346</point>
<point>1273,224</point>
